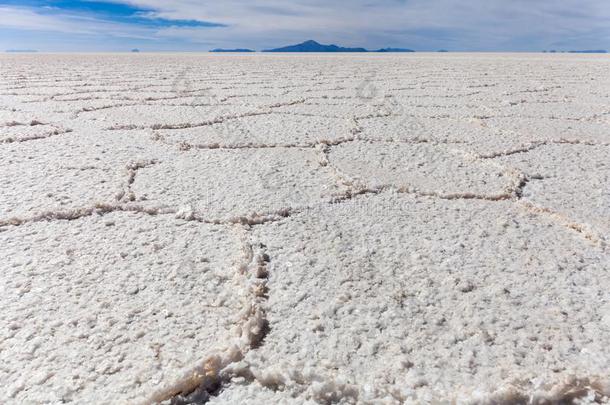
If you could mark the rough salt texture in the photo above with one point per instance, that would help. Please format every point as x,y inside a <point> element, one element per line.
<point>237,183</point>
<point>439,302</point>
<point>161,116</point>
<point>106,309</point>
<point>68,172</point>
<point>572,181</point>
<point>261,229</point>
<point>487,138</point>
<point>437,169</point>
<point>262,131</point>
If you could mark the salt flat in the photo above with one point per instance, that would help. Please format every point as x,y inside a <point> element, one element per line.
<point>418,228</point>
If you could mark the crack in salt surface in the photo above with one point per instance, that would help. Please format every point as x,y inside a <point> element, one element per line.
<point>77,213</point>
<point>262,110</point>
<point>355,131</point>
<point>537,144</point>
<point>185,146</point>
<point>513,191</point>
<point>28,138</point>
<point>106,208</point>
<point>77,113</point>
<point>218,120</point>
<point>209,375</point>
<point>585,231</point>
<point>32,123</point>
<point>590,389</point>
<point>126,193</point>
<point>249,220</point>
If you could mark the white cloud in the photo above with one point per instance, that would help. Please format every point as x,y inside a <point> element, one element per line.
<point>468,24</point>
<point>27,19</point>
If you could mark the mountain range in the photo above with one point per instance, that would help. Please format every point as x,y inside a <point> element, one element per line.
<point>232,50</point>
<point>313,46</point>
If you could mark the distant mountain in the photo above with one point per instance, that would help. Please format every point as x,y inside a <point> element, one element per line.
<point>394,50</point>
<point>135,50</point>
<point>590,51</point>
<point>313,46</point>
<point>21,50</point>
<point>232,50</point>
<point>583,51</point>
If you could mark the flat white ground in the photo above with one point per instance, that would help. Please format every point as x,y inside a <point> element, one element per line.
<point>304,228</point>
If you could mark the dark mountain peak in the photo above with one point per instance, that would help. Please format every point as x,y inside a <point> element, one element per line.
<point>313,46</point>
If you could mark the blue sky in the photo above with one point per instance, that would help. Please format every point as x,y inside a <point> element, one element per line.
<point>199,25</point>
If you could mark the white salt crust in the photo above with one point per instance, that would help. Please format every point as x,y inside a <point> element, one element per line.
<point>263,229</point>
